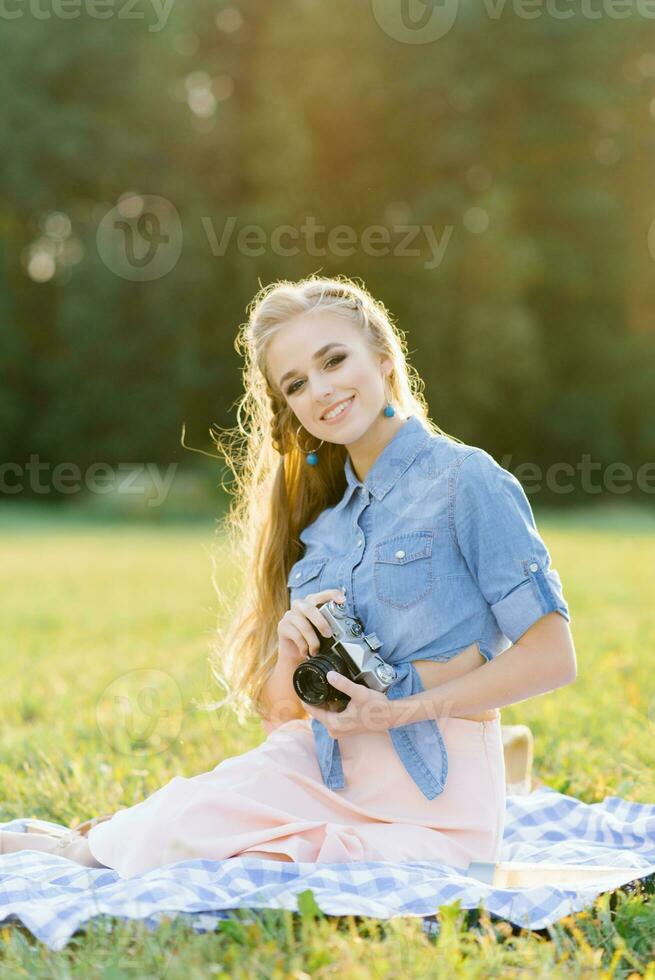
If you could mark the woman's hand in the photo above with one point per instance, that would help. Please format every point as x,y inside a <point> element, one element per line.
<point>367,710</point>
<point>296,630</point>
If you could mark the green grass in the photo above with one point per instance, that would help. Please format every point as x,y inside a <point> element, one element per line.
<point>94,614</point>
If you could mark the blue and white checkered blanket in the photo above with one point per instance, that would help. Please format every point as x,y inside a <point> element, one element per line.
<point>53,897</point>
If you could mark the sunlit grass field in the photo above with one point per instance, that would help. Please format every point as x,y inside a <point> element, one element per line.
<point>106,631</point>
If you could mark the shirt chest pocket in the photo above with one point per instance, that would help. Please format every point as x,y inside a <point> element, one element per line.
<point>305,577</point>
<point>402,569</point>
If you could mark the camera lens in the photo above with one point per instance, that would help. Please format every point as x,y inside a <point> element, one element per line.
<point>310,683</point>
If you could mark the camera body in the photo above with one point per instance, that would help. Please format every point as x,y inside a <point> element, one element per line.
<point>349,651</point>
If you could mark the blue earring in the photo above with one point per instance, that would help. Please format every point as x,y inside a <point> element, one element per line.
<point>311,457</point>
<point>389,410</point>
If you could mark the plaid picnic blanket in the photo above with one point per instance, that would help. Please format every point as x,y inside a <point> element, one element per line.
<point>53,897</point>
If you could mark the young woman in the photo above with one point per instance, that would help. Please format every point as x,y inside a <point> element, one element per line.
<point>347,492</point>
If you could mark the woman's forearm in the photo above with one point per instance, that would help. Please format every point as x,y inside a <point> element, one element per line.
<point>283,703</point>
<point>523,671</point>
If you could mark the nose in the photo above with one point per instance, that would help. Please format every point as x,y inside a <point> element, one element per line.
<point>323,393</point>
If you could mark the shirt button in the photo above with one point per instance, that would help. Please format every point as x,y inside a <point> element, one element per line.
<point>360,543</point>
<point>534,567</point>
<point>400,554</point>
<point>297,574</point>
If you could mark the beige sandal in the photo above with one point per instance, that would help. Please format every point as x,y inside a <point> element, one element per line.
<point>40,827</point>
<point>84,827</point>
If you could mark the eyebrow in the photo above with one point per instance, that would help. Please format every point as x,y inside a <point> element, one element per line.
<point>315,357</point>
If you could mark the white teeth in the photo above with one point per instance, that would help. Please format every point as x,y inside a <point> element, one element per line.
<point>339,409</point>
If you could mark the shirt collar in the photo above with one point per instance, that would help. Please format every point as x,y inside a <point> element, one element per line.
<point>392,462</point>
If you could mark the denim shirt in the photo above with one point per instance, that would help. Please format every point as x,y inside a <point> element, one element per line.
<point>435,550</point>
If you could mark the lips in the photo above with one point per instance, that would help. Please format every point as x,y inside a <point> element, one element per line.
<point>344,402</point>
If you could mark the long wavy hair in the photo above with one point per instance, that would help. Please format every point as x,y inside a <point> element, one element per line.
<point>275,493</point>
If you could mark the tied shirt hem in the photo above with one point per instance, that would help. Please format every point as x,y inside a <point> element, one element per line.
<point>414,743</point>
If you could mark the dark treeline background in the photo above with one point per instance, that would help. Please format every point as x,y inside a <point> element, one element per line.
<point>531,138</point>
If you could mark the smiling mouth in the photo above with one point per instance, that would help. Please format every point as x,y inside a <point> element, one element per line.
<point>342,406</point>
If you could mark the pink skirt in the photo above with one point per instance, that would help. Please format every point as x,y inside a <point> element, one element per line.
<point>273,799</point>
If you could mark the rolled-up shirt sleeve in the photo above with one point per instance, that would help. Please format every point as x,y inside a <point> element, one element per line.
<point>499,540</point>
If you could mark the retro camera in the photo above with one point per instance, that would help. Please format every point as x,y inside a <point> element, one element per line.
<point>349,651</point>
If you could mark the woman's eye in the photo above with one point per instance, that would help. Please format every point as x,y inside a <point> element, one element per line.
<point>336,358</point>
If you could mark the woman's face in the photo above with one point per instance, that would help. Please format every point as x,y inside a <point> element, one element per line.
<point>314,383</point>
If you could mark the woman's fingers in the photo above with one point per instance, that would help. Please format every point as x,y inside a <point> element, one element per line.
<point>297,624</point>
<point>309,607</point>
<point>311,641</point>
<point>309,611</point>
<point>292,630</point>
